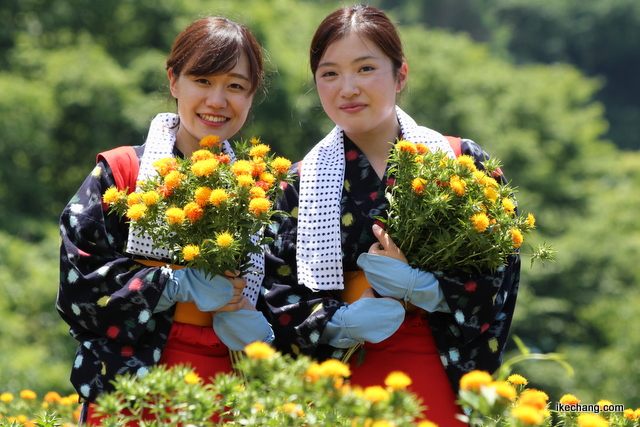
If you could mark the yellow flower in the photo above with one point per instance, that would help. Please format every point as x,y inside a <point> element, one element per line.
<point>382,423</point>
<point>259,150</point>
<point>150,197</point>
<point>314,371</point>
<point>136,212</point>
<point>257,192</point>
<point>69,400</point>
<point>474,379</point>
<point>191,378</point>
<point>458,185</point>
<point>218,196</point>
<point>267,178</point>
<point>259,205</point>
<point>528,414</point>
<point>205,167</point>
<point>517,379</point>
<point>28,394</point>
<point>210,141</point>
<point>630,414</point>
<point>173,179</point>
<point>199,155</point>
<point>259,350</point>
<point>480,222</point>
<point>407,147</point>
<point>166,165</point>
<point>259,166</point>
<point>491,193</point>
<point>190,252</point>
<point>174,215</point>
<point>281,165</point>
<point>535,398</point>
<point>202,195</point>
<point>417,185</point>
<point>193,211</point>
<point>427,424</point>
<point>375,394</point>
<point>504,389</point>
<point>6,397</point>
<point>397,380</point>
<point>334,368</point>
<point>254,140</point>
<point>242,167</point>
<point>467,161</point>
<point>111,195</point>
<point>134,199</point>
<point>422,148</point>
<point>517,237</point>
<point>603,404</point>
<point>224,239</point>
<point>569,399</point>
<point>508,205</point>
<point>591,420</point>
<point>245,180</point>
<point>52,396</point>
<point>531,220</point>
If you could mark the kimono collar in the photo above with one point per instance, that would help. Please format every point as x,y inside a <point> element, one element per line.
<point>319,251</point>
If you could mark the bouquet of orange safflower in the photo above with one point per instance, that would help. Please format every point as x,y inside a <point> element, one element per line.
<point>208,210</point>
<point>446,215</point>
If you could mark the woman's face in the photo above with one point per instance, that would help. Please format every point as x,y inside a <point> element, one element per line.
<point>211,105</point>
<point>357,87</point>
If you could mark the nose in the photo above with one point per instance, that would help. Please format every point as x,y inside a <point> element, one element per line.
<point>349,87</point>
<point>216,97</point>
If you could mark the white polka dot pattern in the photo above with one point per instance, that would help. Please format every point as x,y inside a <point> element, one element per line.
<point>319,260</point>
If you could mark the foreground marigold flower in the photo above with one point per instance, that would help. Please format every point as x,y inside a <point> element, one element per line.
<point>199,155</point>
<point>224,239</point>
<point>534,398</point>
<point>245,180</point>
<point>603,404</point>
<point>281,165</point>
<point>28,394</point>
<point>528,414</point>
<point>259,150</point>
<point>52,396</point>
<point>166,165</point>
<point>480,222</point>
<point>193,211</point>
<point>422,148</point>
<point>474,379</point>
<point>397,380</point>
<point>569,399</point>
<point>111,195</point>
<point>173,179</point>
<point>376,394</point>
<point>134,199</point>
<point>509,205</point>
<point>254,140</point>
<point>467,161</point>
<point>517,379</point>
<point>407,147</point>
<point>205,167</point>
<point>210,141</point>
<point>314,371</point>
<point>458,185</point>
<point>267,178</point>
<point>136,212</point>
<point>190,252</point>
<point>150,197</point>
<point>191,378</point>
<point>218,196</point>
<point>531,220</point>
<point>517,237</point>
<point>202,195</point>
<point>6,397</point>
<point>630,414</point>
<point>591,420</point>
<point>417,185</point>
<point>175,215</point>
<point>491,193</point>
<point>242,167</point>
<point>334,368</point>
<point>259,350</point>
<point>257,192</point>
<point>259,205</point>
<point>504,389</point>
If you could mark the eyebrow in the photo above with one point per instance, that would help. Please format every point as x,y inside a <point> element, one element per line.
<point>239,76</point>
<point>362,58</point>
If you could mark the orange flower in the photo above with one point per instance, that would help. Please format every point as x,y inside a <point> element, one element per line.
<point>193,211</point>
<point>467,161</point>
<point>245,180</point>
<point>376,394</point>
<point>517,379</point>
<point>150,197</point>
<point>259,350</point>
<point>458,185</point>
<point>173,179</point>
<point>166,165</point>
<point>480,222</point>
<point>259,150</point>
<point>281,165</point>
<point>569,399</point>
<point>591,420</point>
<point>407,147</point>
<point>218,196</point>
<point>200,155</point>
<point>535,398</point>
<point>397,380</point>
<point>334,368</point>
<point>531,220</point>
<point>52,396</point>
<point>259,205</point>
<point>28,394</point>
<point>422,148</point>
<point>517,237</point>
<point>528,414</point>
<point>134,199</point>
<point>268,178</point>
<point>136,212</point>
<point>242,167</point>
<point>210,141</point>
<point>259,166</point>
<point>504,389</point>
<point>474,379</point>
<point>202,195</point>
<point>418,185</point>
<point>174,215</point>
<point>509,205</point>
<point>257,192</point>
<point>205,167</point>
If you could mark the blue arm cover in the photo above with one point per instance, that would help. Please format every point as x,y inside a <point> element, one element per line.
<point>396,279</point>
<point>365,320</point>
<point>237,329</point>
<point>190,285</point>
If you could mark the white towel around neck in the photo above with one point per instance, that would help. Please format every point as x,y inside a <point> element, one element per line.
<point>319,249</point>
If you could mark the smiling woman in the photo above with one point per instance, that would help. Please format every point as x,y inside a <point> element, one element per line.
<point>124,304</point>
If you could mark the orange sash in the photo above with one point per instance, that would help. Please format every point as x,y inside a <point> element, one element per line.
<point>355,283</point>
<point>186,312</point>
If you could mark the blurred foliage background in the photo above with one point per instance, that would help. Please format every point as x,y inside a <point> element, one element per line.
<point>549,87</point>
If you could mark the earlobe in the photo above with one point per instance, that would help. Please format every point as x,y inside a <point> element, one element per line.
<point>172,81</point>
<point>403,73</point>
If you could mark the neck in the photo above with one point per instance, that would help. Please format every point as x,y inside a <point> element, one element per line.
<point>376,148</point>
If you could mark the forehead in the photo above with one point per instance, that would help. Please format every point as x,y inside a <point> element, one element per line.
<point>351,47</point>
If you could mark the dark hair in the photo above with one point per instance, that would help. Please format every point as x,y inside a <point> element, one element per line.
<point>211,46</point>
<point>366,21</point>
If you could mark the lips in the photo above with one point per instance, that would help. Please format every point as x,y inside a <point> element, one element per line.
<point>352,107</point>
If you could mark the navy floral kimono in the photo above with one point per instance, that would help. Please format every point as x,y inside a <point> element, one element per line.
<point>472,336</point>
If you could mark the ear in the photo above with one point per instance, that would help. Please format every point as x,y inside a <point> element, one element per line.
<point>173,80</point>
<point>403,74</point>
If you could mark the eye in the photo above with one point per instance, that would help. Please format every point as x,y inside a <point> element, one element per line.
<point>366,68</point>
<point>236,86</point>
<point>329,74</point>
<point>201,80</point>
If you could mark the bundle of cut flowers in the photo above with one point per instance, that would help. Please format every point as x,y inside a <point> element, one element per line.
<point>445,214</point>
<point>207,210</point>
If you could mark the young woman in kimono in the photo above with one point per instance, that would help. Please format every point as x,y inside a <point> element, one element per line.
<point>433,326</point>
<point>128,309</point>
